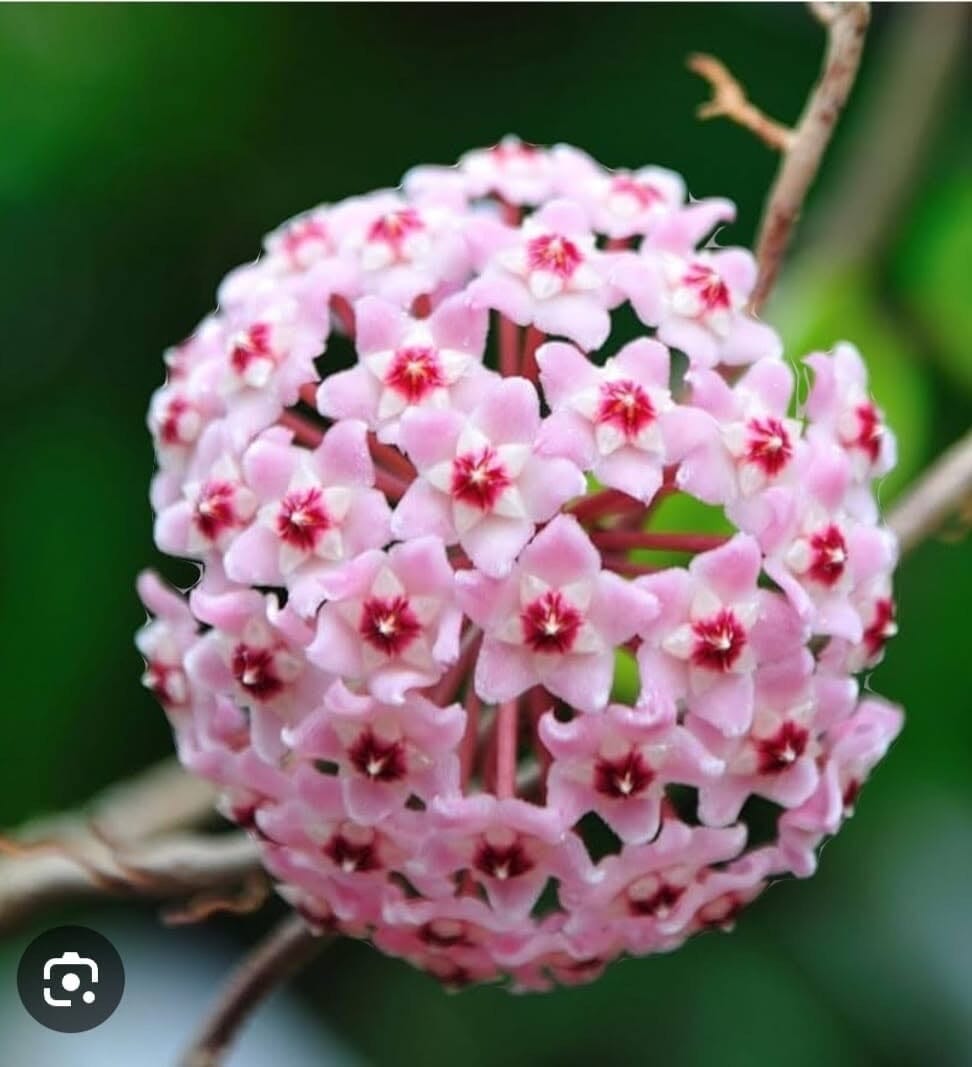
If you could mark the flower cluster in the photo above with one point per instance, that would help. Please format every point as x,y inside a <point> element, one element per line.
<point>428,491</point>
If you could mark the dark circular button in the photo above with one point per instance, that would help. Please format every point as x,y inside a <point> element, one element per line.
<point>70,979</point>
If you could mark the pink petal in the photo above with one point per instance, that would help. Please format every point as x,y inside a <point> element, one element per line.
<point>546,483</point>
<point>456,324</point>
<point>335,648</point>
<point>429,436</point>
<point>349,394</point>
<point>253,558</point>
<point>378,325</point>
<point>727,704</point>
<point>569,436</point>
<point>694,340</point>
<point>561,553</point>
<point>647,361</point>
<point>681,231</point>
<point>505,293</point>
<point>579,317</point>
<point>620,609</point>
<point>423,511</point>
<point>343,457</point>
<point>641,279</point>
<point>494,543</point>
<point>563,372</point>
<point>731,570</point>
<point>583,681</point>
<point>631,471</point>
<point>268,465</point>
<point>503,671</point>
<point>510,412</point>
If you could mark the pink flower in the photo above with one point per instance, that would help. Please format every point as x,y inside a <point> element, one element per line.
<point>839,403</point>
<point>555,620</point>
<point>853,746</point>
<point>748,445</point>
<point>509,847</point>
<point>428,577</point>
<point>619,203</point>
<point>481,482</point>
<point>317,511</point>
<point>164,643</point>
<point>618,764</point>
<point>216,502</point>
<point>776,760</point>
<point>385,752</point>
<point>697,304</point>
<point>406,364</point>
<point>704,645</point>
<point>548,273</point>
<point>390,619</point>
<point>402,251</point>
<point>254,653</point>
<point>519,173</point>
<point>647,894</point>
<point>609,420</point>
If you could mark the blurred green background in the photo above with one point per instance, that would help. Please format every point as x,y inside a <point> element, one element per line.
<point>145,150</point>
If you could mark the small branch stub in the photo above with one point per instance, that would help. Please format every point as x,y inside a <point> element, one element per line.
<point>802,147</point>
<point>944,489</point>
<point>729,101</point>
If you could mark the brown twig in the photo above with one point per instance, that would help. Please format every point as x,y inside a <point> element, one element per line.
<point>802,147</point>
<point>941,491</point>
<point>729,100</point>
<point>271,963</point>
<point>171,867</point>
<point>250,897</point>
<point>131,839</point>
<point>916,67</point>
<point>846,25</point>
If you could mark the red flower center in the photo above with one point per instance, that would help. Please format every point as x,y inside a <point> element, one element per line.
<point>828,555</point>
<point>719,641</point>
<point>478,478</point>
<point>414,372</point>
<point>304,233</point>
<point>303,518</point>
<point>555,254</point>
<point>768,445</point>
<point>352,855</point>
<point>381,761</point>
<point>166,682</point>
<point>721,912</point>
<point>709,287</point>
<point>388,624</point>
<point>659,903</point>
<point>395,227</point>
<point>849,798</point>
<point>252,344</point>
<point>502,862</point>
<point>626,405</point>
<point>550,623</point>
<point>170,431</point>
<point>444,933</point>
<point>256,672</point>
<point>624,777</point>
<point>215,510</point>
<point>507,152</point>
<point>644,193</point>
<point>882,626</point>
<point>783,749</point>
<point>870,431</point>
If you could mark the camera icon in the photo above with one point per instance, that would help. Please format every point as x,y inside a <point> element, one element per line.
<point>64,972</point>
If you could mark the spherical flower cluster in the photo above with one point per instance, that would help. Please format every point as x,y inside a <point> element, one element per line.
<point>426,486</point>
